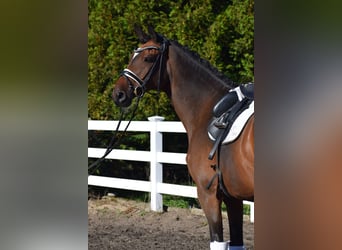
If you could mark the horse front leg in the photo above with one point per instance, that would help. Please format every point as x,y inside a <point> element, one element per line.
<point>212,210</point>
<point>235,217</point>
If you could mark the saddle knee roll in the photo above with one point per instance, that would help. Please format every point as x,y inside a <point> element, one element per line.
<point>225,104</point>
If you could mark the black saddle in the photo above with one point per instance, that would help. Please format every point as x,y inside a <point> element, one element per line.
<point>248,90</point>
<point>226,111</point>
<point>232,98</point>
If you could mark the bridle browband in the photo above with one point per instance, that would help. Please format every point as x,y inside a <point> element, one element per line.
<point>139,90</point>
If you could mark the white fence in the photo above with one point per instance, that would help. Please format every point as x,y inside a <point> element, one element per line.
<point>155,126</point>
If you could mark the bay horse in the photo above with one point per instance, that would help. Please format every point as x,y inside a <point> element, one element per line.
<point>194,87</point>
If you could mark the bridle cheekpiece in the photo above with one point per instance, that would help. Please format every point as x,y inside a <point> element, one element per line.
<point>139,90</point>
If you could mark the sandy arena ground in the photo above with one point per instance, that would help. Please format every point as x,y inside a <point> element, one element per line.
<point>117,223</point>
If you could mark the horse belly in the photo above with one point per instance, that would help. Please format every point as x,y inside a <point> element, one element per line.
<point>238,176</point>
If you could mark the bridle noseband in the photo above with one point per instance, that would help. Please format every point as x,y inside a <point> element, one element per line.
<point>139,90</point>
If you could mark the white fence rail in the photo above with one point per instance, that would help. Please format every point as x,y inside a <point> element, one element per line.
<point>155,126</point>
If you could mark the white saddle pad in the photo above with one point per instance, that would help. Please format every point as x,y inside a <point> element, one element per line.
<point>238,124</point>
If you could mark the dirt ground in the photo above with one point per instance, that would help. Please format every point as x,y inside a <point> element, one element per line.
<point>117,223</point>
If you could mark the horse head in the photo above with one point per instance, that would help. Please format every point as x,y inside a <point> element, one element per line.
<point>144,70</point>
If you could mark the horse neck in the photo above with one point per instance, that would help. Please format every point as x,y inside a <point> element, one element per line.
<point>194,89</point>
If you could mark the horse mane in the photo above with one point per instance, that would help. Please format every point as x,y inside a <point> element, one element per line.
<point>225,80</point>
<point>206,64</point>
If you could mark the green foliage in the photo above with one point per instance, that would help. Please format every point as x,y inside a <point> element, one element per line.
<point>246,209</point>
<point>178,201</point>
<point>230,42</point>
<point>220,31</point>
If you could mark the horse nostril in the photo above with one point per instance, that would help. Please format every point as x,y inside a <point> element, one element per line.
<point>121,96</point>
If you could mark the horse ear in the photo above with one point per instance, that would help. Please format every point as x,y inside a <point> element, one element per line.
<point>153,34</point>
<point>142,36</point>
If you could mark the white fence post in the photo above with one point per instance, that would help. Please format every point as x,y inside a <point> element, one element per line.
<point>156,168</point>
<point>251,212</point>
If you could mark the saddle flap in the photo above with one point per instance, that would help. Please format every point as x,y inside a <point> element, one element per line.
<point>234,119</point>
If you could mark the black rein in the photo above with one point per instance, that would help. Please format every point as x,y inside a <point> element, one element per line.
<point>138,91</point>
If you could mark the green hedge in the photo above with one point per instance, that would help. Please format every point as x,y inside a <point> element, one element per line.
<point>220,31</point>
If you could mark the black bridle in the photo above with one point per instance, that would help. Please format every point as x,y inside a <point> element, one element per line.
<point>138,91</point>
<point>140,88</point>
